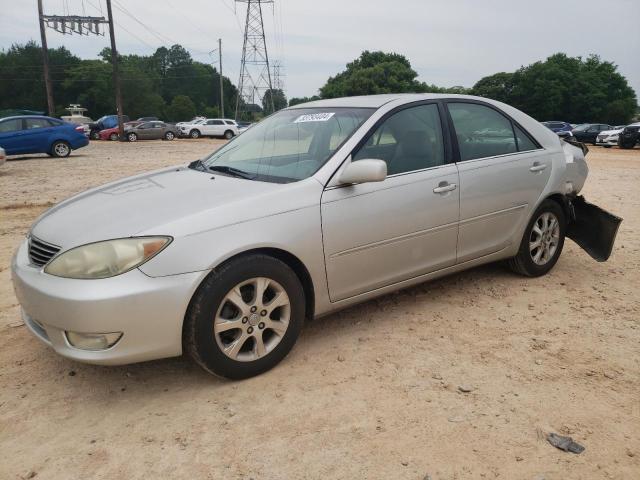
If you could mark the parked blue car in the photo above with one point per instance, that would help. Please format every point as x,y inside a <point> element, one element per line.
<point>558,126</point>
<point>40,134</point>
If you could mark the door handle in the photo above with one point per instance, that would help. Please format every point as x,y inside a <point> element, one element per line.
<point>537,167</point>
<point>445,187</point>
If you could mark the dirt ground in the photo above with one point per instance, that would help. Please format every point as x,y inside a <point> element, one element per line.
<point>371,392</point>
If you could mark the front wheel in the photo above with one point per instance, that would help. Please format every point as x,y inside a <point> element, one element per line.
<point>228,134</point>
<point>194,134</point>
<point>542,241</point>
<point>245,317</point>
<point>169,136</point>
<point>60,149</point>
<point>113,137</point>
<point>132,137</point>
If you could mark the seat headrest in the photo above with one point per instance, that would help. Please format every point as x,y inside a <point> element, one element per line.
<point>415,144</point>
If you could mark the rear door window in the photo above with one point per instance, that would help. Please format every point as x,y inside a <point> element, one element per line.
<point>481,131</point>
<point>10,125</point>
<point>32,123</point>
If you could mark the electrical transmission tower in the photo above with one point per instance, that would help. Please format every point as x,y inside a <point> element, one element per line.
<point>255,72</point>
<point>278,82</point>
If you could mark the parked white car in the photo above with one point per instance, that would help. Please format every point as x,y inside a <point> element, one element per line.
<point>193,121</point>
<point>609,138</point>
<point>211,127</point>
<point>3,156</point>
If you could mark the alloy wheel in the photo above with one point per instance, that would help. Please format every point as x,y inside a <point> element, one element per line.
<point>544,239</point>
<point>252,319</point>
<point>61,149</point>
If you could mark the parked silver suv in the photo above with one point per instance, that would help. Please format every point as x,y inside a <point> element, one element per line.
<point>318,207</point>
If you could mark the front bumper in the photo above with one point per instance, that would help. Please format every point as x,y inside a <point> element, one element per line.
<point>607,141</point>
<point>149,311</point>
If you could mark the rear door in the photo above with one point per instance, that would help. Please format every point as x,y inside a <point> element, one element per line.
<point>37,135</point>
<point>213,127</point>
<point>503,172</point>
<point>156,130</point>
<point>11,133</point>
<point>378,234</point>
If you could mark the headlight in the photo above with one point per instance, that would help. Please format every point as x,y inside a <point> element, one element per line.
<point>106,259</point>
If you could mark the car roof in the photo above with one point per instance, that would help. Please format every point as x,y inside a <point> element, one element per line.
<point>18,117</point>
<point>377,101</point>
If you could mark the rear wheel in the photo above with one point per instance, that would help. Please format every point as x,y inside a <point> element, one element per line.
<point>542,241</point>
<point>245,317</point>
<point>113,137</point>
<point>132,137</point>
<point>228,134</point>
<point>169,136</point>
<point>60,149</point>
<point>194,133</point>
<point>95,135</point>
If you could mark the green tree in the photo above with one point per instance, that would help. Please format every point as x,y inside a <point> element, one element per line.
<point>298,100</point>
<point>279,101</point>
<point>180,109</point>
<point>565,88</point>
<point>497,86</point>
<point>372,73</point>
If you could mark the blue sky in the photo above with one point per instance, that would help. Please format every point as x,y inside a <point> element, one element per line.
<point>453,42</point>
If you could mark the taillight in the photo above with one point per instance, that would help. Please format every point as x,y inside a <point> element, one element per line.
<point>79,128</point>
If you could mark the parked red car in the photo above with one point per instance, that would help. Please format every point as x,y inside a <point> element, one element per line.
<point>112,133</point>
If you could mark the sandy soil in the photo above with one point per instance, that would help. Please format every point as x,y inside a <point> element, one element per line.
<point>371,392</point>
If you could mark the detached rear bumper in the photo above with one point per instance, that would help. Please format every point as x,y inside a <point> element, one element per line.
<point>593,228</point>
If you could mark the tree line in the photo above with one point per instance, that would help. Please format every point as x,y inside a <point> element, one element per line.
<point>564,88</point>
<point>169,84</point>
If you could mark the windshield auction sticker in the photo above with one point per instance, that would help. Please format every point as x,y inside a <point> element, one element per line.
<point>314,117</point>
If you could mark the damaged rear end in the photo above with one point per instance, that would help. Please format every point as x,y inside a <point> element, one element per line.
<point>591,227</point>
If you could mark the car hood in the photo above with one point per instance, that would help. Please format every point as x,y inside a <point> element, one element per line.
<point>175,201</point>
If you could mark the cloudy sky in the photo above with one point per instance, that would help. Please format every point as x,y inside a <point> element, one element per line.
<point>449,42</point>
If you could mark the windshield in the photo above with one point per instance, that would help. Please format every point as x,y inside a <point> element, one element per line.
<point>290,145</point>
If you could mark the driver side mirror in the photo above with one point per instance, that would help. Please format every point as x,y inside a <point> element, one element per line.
<point>364,171</point>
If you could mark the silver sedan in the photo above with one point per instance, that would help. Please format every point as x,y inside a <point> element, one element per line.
<point>318,207</point>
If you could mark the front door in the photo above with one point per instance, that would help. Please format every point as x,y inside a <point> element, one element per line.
<point>378,234</point>
<point>502,175</point>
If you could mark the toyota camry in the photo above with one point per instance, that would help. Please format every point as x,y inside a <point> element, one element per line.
<point>317,207</point>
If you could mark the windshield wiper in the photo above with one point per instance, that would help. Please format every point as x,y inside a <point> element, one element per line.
<point>234,172</point>
<point>198,165</point>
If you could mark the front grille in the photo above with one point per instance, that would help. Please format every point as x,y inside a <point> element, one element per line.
<point>41,252</point>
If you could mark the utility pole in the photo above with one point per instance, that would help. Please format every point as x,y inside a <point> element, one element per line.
<point>45,62</point>
<point>83,25</point>
<point>116,73</point>
<point>221,81</point>
<point>255,73</point>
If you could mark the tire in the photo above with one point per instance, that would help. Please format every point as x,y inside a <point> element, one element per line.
<point>206,336</point>
<point>60,149</point>
<point>94,135</point>
<point>113,137</point>
<point>132,137</point>
<point>525,262</point>
<point>228,135</point>
<point>194,133</point>
<point>169,136</point>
